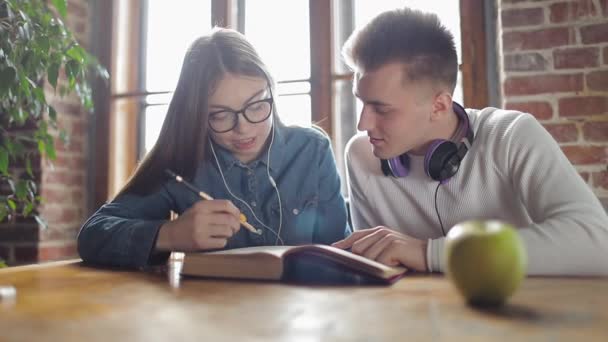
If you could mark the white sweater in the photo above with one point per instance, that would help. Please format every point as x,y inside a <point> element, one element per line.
<point>514,171</point>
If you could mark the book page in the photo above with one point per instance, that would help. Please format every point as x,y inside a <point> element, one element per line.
<point>277,251</point>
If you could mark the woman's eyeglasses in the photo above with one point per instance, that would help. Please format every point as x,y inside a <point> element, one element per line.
<point>255,112</point>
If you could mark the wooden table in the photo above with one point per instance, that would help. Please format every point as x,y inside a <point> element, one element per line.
<point>70,302</point>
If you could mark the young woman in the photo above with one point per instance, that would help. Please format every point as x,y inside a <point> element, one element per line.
<point>222,134</point>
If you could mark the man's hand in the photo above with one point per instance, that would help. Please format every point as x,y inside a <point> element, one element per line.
<point>387,246</point>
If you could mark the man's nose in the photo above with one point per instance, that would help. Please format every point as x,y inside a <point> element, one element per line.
<point>366,119</point>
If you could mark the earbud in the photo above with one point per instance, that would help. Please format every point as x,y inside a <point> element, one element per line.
<point>272,182</point>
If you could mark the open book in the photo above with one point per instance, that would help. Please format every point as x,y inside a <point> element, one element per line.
<point>306,263</point>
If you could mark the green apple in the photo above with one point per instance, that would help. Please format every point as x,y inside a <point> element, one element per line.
<point>485,260</point>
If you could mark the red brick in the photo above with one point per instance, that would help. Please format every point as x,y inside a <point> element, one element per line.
<point>605,53</point>
<point>576,58</point>
<point>78,128</point>
<point>67,107</point>
<point>600,179</point>
<point>592,34</point>
<point>538,39</point>
<point>73,145</point>
<point>582,106</point>
<point>585,176</point>
<point>66,251</point>
<point>77,196</point>
<point>571,11</point>
<point>525,62</point>
<point>540,110</point>
<point>604,4</point>
<point>53,195</point>
<point>76,9</point>
<point>596,131</point>
<point>56,177</point>
<point>586,154</point>
<point>540,84</point>
<point>563,132</point>
<point>597,80</point>
<point>522,17</point>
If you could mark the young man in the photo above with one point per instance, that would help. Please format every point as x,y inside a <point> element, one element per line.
<point>426,164</point>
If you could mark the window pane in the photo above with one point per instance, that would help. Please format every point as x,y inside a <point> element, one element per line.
<point>281,40</point>
<point>171,27</point>
<point>293,88</point>
<point>154,117</point>
<point>294,110</point>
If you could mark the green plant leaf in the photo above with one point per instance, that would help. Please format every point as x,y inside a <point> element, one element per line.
<point>50,148</point>
<point>3,160</point>
<point>61,6</point>
<point>28,166</point>
<point>53,73</point>
<point>77,53</point>
<point>52,114</point>
<point>21,190</point>
<point>41,146</point>
<point>7,77</point>
<point>28,209</point>
<point>11,204</point>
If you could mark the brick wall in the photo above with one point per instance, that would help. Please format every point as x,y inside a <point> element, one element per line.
<point>555,66</point>
<point>62,182</point>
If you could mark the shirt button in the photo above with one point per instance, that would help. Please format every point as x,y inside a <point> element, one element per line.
<point>295,211</point>
<point>253,204</point>
<point>250,172</point>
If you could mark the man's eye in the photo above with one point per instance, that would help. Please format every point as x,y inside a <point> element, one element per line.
<point>381,110</point>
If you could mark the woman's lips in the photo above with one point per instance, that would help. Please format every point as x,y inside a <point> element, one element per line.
<point>244,144</point>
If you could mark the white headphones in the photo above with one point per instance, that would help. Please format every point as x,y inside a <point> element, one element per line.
<point>270,179</point>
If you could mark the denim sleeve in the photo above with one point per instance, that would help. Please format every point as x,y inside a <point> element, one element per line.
<point>123,232</point>
<point>332,224</point>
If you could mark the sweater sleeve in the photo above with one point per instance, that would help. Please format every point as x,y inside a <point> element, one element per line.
<point>569,233</point>
<point>361,209</point>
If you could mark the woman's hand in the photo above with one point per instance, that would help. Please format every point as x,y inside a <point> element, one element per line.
<point>206,225</point>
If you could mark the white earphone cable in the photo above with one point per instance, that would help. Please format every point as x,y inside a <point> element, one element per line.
<point>270,179</point>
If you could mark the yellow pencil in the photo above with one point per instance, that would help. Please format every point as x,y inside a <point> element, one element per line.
<point>206,196</point>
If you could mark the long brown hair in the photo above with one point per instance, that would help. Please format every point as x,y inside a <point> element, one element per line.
<point>182,142</point>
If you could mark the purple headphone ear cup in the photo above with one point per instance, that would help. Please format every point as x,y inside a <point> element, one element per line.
<point>437,161</point>
<point>400,166</point>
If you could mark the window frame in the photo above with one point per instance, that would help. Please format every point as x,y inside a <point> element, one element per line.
<point>119,151</point>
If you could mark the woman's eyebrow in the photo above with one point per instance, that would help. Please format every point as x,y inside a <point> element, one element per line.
<point>256,94</point>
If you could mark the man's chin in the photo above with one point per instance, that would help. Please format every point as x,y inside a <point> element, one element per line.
<point>379,153</point>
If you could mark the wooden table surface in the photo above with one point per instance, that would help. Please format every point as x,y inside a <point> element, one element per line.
<point>67,301</point>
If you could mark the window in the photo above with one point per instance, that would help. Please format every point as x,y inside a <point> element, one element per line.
<point>283,42</point>
<point>299,40</point>
<point>170,27</point>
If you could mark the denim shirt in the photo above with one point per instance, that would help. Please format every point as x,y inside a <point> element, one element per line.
<point>123,232</point>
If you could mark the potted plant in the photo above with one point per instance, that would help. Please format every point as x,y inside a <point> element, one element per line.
<point>37,50</point>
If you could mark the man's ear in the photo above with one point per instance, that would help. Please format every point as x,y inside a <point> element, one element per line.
<point>442,105</point>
